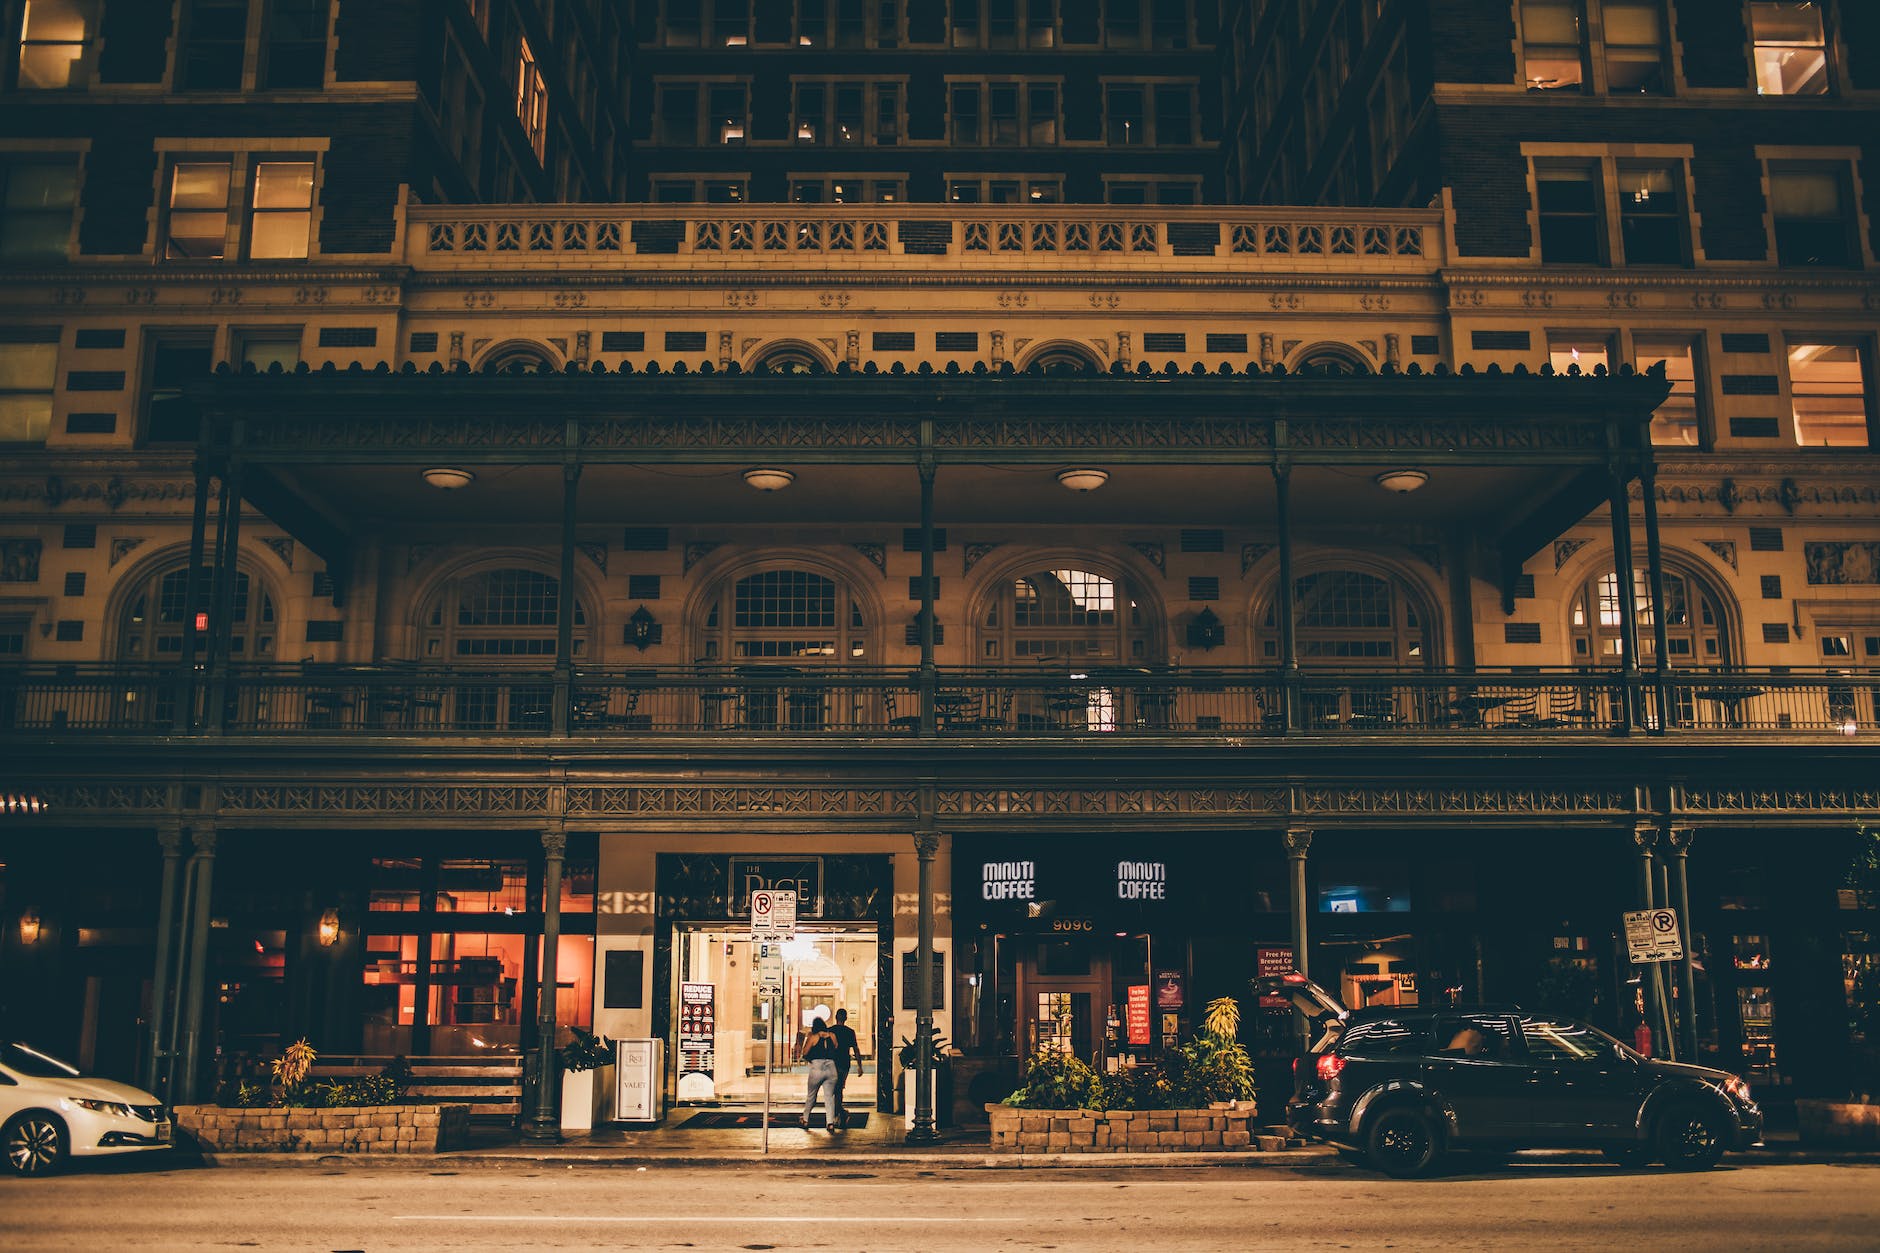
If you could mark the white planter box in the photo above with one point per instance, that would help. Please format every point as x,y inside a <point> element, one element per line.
<point>587,1098</point>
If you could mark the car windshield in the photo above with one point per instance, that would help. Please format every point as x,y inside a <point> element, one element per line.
<point>30,1062</point>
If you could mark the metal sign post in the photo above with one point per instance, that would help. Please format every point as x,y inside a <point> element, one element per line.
<point>773,921</point>
<point>770,1064</point>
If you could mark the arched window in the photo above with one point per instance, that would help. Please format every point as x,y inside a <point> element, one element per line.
<point>1066,614</point>
<point>497,616</point>
<point>1063,359</point>
<point>1334,359</point>
<point>778,616</point>
<point>517,353</point>
<point>1693,621</point>
<point>157,613</point>
<point>790,359</point>
<point>1347,618</point>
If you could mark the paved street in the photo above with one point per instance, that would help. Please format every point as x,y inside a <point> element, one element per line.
<point>1535,1203</point>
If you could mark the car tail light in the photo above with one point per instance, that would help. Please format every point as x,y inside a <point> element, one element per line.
<point>1329,1065</point>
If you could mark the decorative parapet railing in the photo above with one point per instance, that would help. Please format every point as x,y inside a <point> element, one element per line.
<point>1058,236</point>
<point>1087,703</point>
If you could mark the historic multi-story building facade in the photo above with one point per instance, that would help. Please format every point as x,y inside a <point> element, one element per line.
<point>1089,597</point>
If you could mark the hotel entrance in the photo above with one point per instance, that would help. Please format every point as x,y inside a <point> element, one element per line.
<point>725,1034</point>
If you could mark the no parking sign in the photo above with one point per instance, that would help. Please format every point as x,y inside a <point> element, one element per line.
<point>1652,935</point>
<point>773,915</point>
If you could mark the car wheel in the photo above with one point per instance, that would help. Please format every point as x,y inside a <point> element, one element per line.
<point>1403,1143</point>
<point>34,1144</point>
<point>1690,1137</point>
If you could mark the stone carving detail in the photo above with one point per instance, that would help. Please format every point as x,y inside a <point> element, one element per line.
<point>79,796</point>
<point>695,553</point>
<point>19,560</point>
<point>1564,550</point>
<point>1842,562</point>
<point>122,546</point>
<point>1724,548</point>
<point>595,552</point>
<point>970,554</point>
<point>1250,555</point>
<point>281,546</point>
<point>877,555</point>
<point>1156,553</point>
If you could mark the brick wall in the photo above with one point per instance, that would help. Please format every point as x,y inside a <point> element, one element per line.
<point>1124,1131</point>
<point>366,1129</point>
<point>1471,41</point>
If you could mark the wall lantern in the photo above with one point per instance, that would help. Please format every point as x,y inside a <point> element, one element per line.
<point>448,478</point>
<point>1206,631</point>
<point>769,478</point>
<point>329,928</point>
<point>1083,478</point>
<point>29,927</point>
<point>1401,481</point>
<point>642,629</point>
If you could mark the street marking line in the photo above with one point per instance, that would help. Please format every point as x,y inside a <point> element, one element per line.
<point>676,1218</point>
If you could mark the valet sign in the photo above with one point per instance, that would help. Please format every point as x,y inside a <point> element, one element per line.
<point>1141,881</point>
<point>1008,881</point>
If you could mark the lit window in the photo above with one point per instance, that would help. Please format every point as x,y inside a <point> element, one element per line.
<point>263,349</point>
<point>1635,46</point>
<point>1676,424</point>
<point>1809,210</point>
<point>1588,352</point>
<point>27,375</point>
<point>198,211</point>
<point>1791,49</point>
<point>1828,386</point>
<point>36,201</point>
<point>1553,45</point>
<point>283,210</point>
<point>729,113</point>
<point>1569,205</point>
<point>52,42</point>
<point>532,100</point>
<point>1651,216</point>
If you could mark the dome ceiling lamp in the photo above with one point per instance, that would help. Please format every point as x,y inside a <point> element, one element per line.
<point>1083,478</point>
<point>448,478</point>
<point>1402,481</point>
<point>769,478</point>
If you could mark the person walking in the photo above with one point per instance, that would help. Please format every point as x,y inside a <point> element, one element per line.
<point>819,1050</point>
<point>847,1046</point>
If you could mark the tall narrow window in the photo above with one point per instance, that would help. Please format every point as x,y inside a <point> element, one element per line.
<point>730,113</point>
<point>1677,424</point>
<point>1809,208</point>
<point>1123,111</point>
<point>27,374</point>
<point>1569,206</point>
<point>282,217</point>
<point>887,114</point>
<point>172,362</point>
<point>214,44</point>
<point>963,114</point>
<point>731,23</point>
<point>1553,45</point>
<point>198,211</point>
<point>53,34</point>
<point>1174,115</point>
<point>1586,350</point>
<point>812,23</point>
<point>965,23</point>
<point>810,105</point>
<point>1003,100</point>
<point>1791,49</point>
<point>1828,385</point>
<point>1651,215</point>
<point>532,100</point>
<point>1041,114</point>
<point>296,44</point>
<point>1040,23</point>
<point>678,115</point>
<point>848,126</point>
<point>1635,46</point>
<point>36,201</point>
<point>1171,23</point>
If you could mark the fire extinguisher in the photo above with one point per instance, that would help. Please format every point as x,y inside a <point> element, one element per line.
<point>1642,1039</point>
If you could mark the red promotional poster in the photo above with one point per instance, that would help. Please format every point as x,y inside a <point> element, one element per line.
<point>1139,1014</point>
<point>1274,961</point>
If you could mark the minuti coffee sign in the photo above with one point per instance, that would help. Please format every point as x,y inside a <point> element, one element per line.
<point>1068,884</point>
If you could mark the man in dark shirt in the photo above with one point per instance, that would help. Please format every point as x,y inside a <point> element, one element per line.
<point>846,1047</point>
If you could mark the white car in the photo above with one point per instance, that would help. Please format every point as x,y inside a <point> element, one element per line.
<point>49,1111</point>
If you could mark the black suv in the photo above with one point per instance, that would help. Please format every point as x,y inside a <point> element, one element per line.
<point>1403,1085</point>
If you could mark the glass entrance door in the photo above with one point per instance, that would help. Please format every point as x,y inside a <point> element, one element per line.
<point>828,967</point>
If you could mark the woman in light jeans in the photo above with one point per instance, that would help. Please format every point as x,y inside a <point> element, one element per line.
<point>820,1051</point>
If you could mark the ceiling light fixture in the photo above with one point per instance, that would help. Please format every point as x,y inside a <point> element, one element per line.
<point>448,478</point>
<point>329,928</point>
<point>1083,478</point>
<point>769,478</point>
<point>1401,481</point>
<point>29,927</point>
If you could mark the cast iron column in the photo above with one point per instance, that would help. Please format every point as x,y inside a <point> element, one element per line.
<point>929,675</point>
<point>926,845</point>
<point>1284,609</point>
<point>1645,839</point>
<point>222,621</point>
<point>1679,839</point>
<point>545,1122</point>
<point>184,716</point>
<point>1655,584</point>
<point>196,974</point>
<point>564,602</point>
<point>1628,604</point>
<point>170,840</point>
<point>1298,840</point>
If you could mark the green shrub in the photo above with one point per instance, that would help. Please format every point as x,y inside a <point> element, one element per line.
<point>1134,1087</point>
<point>1057,1081</point>
<point>365,1090</point>
<point>586,1051</point>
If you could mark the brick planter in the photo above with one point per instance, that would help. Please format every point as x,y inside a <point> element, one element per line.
<point>1838,1123</point>
<point>1121,1130</point>
<point>364,1129</point>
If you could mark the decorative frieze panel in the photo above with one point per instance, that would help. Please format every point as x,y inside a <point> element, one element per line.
<point>384,799</point>
<point>598,801</point>
<point>1843,562</point>
<point>1084,435</point>
<point>409,433</point>
<point>1848,801</point>
<point>114,796</point>
<point>756,431</point>
<point>1462,801</point>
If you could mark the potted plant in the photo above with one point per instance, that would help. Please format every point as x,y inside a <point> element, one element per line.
<point>587,1088</point>
<point>1857,1119</point>
<point>907,1056</point>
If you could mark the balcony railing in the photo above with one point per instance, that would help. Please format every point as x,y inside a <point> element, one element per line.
<point>1043,703</point>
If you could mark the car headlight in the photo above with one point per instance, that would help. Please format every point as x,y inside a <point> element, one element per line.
<point>1738,1090</point>
<point>117,1108</point>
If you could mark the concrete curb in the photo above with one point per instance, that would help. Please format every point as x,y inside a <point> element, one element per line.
<point>509,1158</point>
